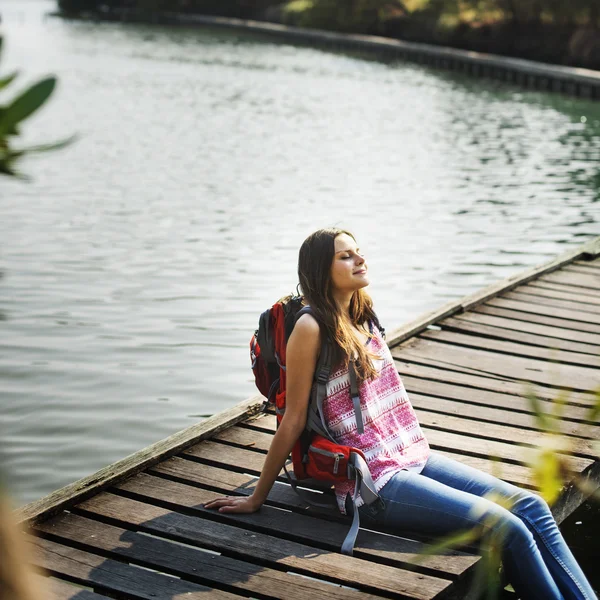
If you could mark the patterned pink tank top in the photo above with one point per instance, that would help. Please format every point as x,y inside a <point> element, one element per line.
<point>392,438</point>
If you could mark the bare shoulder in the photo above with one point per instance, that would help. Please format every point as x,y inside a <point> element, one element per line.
<point>306,333</point>
<point>307,326</point>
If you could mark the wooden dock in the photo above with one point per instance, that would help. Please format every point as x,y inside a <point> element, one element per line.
<point>138,529</point>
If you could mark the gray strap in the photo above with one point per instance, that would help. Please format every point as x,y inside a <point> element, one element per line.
<point>350,539</point>
<point>360,426</point>
<point>320,389</point>
<point>313,423</point>
<point>363,483</point>
<point>367,486</point>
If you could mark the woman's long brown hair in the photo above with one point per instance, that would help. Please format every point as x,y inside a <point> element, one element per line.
<point>314,272</point>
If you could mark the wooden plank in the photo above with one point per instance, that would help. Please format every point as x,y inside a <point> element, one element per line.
<point>508,433</point>
<point>462,325</point>
<point>188,563</point>
<point>556,302</point>
<point>583,294</point>
<point>555,290</point>
<point>92,484</point>
<point>113,577</point>
<point>581,268</point>
<point>575,280</point>
<point>264,549</point>
<point>545,332</point>
<point>456,339</point>
<point>576,327</point>
<point>529,317</point>
<point>324,533</point>
<point>435,373</point>
<point>56,589</point>
<point>503,365</point>
<point>469,436</point>
<point>577,493</point>
<point>592,264</point>
<point>450,367</point>
<point>518,407</point>
<point>591,248</point>
<point>475,453</point>
<point>550,311</point>
<point>499,416</point>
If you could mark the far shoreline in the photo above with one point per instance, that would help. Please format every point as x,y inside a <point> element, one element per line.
<point>574,81</point>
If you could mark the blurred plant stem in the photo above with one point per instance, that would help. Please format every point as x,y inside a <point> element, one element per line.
<point>16,582</point>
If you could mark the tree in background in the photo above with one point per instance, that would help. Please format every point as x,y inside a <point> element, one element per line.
<point>366,16</point>
<point>575,12</point>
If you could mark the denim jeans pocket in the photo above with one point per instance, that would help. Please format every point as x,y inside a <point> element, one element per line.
<point>373,510</point>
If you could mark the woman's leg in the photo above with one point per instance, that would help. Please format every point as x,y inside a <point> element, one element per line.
<point>419,503</point>
<point>530,508</point>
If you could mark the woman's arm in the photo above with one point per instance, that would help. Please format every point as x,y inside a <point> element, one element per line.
<point>301,357</point>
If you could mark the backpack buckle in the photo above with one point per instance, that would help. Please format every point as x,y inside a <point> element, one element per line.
<point>322,376</point>
<point>351,473</point>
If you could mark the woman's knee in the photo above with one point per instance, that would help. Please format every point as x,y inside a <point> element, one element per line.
<point>506,529</point>
<point>528,503</point>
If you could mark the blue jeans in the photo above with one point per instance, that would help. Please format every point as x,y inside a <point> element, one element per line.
<point>447,496</point>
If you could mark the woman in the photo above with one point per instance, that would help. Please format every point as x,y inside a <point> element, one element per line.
<point>420,490</point>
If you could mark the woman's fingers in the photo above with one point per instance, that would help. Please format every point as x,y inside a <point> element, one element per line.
<point>218,502</point>
<point>241,504</point>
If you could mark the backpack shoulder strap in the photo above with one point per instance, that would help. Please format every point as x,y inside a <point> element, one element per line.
<point>315,419</point>
<point>305,310</point>
<point>378,325</point>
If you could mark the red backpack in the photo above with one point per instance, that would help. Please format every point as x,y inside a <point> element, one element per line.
<point>316,454</point>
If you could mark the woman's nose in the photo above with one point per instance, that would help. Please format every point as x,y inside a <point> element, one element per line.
<point>360,259</point>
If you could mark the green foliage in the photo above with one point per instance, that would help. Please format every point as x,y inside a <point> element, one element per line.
<point>582,12</point>
<point>365,16</point>
<point>17,111</point>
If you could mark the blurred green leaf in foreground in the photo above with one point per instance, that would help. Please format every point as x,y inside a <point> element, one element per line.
<point>14,112</point>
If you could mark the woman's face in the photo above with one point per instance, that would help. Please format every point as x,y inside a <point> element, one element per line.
<point>349,268</point>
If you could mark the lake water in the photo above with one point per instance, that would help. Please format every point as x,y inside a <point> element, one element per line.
<point>138,260</point>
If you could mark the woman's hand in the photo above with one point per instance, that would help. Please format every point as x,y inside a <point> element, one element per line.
<point>234,504</point>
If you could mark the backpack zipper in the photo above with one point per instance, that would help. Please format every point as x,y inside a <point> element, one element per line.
<point>336,455</point>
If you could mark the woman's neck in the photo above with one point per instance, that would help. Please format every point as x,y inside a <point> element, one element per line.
<point>343,302</point>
